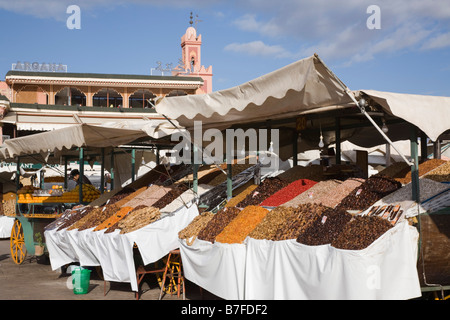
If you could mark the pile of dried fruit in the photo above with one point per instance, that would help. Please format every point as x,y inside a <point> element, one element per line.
<point>313,172</point>
<point>396,170</point>
<point>218,222</point>
<point>191,232</point>
<point>116,217</point>
<point>424,168</point>
<point>304,215</point>
<point>73,216</point>
<point>241,196</point>
<point>440,174</point>
<point>121,195</point>
<point>185,199</point>
<point>315,193</point>
<point>149,196</point>
<point>325,229</point>
<point>80,222</point>
<point>97,218</point>
<point>130,196</point>
<point>269,226</point>
<point>372,190</point>
<point>173,193</point>
<point>235,170</point>
<point>267,188</point>
<point>288,193</point>
<point>239,228</point>
<point>361,232</point>
<point>138,218</point>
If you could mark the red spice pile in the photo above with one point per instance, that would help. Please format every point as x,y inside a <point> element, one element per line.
<point>288,193</point>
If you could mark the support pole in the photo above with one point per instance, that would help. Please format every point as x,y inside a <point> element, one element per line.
<point>133,164</point>
<point>112,170</point>
<point>18,173</point>
<point>415,166</point>
<point>102,173</point>
<point>195,170</point>
<point>80,188</point>
<point>337,134</point>
<point>437,149</point>
<point>423,147</point>
<point>294,148</point>
<point>65,173</point>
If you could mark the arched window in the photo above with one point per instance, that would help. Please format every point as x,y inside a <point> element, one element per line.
<point>107,98</point>
<point>139,99</point>
<point>70,96</point>
<point>32,94</point>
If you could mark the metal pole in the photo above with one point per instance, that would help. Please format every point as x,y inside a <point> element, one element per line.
<point>415,167</point>
<point>423,147</point>
<point>65,173</point>
<point>337,133</point>
<point>112,170</point>
<point>294,148</point>
<point>80,184</point>
<point>102,172</point>
<point>195,170</point>
<point>133,164</point>
<point>229,181</point>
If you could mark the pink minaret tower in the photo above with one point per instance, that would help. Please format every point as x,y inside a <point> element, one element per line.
<point>190,64</point>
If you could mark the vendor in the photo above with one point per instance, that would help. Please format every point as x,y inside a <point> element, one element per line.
<point>75,176</point>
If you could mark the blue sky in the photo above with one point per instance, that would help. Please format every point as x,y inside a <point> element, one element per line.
<point>241,39</point>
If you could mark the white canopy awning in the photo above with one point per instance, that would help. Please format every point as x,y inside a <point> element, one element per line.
<point>81,135</point>
<point>301,87</point>
<point>431,114</point>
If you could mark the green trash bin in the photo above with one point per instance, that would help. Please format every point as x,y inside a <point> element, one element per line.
<point>80,280</point>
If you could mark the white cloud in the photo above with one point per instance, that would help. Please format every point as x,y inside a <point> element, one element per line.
<point>259,48</point>
<point>438,42</point>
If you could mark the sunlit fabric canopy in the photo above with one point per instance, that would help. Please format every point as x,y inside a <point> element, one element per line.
<point>82,135</point>
<point>301,87</point>
<point>429,113</point>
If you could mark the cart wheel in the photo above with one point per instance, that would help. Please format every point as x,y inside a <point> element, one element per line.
<point>17,243</point>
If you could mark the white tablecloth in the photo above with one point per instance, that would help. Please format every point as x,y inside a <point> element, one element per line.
<point>114,251</point>
<point>275,270</point>
<point>6,224</point>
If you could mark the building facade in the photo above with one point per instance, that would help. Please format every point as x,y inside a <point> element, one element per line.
<point>39,101</point>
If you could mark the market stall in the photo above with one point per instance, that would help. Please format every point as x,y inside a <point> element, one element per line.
<point>313,109</point>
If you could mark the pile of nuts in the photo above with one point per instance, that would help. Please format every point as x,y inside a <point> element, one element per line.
<point>315,193</point>
<point>267,188</point>
<point>193,229</point>
<point>424,168</point>
<point>332,199</point>
<point>361,232</point>
<point>269,226</point>
<point>440,174</point>
<point>218,222</point>
<point>80,222</point>
<point>325,229</point>
<point>121,195</point>
<point>73,216</point>
<point>241,196</point>
<point>239,228</point>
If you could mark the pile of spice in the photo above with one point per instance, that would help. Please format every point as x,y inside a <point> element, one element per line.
<point>218,222</point>
<point>240,227</point>
<point>288,193</point>
<point>361,232</point>
<point>191,232</point>
<point>304,215</point>
<point>272,222</point>
<point>372,190</point>
<point>325,229</point>
<point>314,194</point>
<point>267,188</point>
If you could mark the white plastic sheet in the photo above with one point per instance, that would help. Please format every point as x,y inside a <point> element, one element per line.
<point>114,251</point>
<point>288,270</point>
